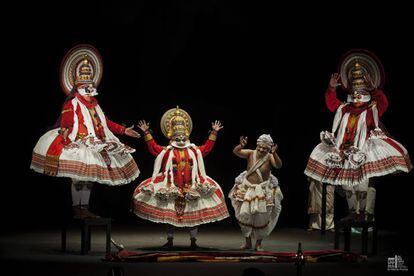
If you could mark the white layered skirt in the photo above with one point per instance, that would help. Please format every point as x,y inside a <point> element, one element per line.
<point>89,160</point>
<point>162,202</point>
<point>257,206</point>
<point>378,157</point>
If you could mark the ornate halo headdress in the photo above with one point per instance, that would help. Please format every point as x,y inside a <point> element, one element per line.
<point>176,121</point>
<point>81,65</point>
<point>356,66</point>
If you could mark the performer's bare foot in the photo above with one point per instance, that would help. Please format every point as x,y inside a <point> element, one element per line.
<point>258,246</point>
<point>247,244</point>
<point>193,245</point>
<point>169,244</point>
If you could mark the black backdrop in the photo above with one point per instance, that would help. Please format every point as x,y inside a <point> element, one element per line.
<point>256,68</point>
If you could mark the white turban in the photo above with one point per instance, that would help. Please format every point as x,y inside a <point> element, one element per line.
<point>266,140</point>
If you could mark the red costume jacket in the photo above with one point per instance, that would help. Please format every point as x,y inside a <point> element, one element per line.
<point>182,163</point>
<point>67,121</point>
<point>377,97</point>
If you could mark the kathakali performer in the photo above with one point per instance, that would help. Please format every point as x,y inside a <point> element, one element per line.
<point>179,193</point>
<point>82,145</point>
<point>358,148</point>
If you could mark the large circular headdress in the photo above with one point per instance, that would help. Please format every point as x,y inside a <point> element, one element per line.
<point>176,121</point>
<point>81,64</point>
<point>357,64</point>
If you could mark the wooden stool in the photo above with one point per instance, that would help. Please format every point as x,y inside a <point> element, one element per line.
<point>85,225</point>
<point>347,225</point>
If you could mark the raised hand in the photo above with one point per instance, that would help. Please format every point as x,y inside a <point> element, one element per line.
<point>243,141</point>
<point>274,148</point>
<point>144,126</point>
<point>131,132</point>
<point>335,80</point>
<point>216,125</point>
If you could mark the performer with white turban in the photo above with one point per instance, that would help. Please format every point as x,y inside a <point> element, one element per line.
<point>82,145</point>
<point>256,196</point>
<point>358,148</point>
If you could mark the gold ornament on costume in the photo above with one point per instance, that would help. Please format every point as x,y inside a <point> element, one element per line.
<point>176,121</point>
<point>361,72</point>
<point>84,72</point>
<point>357,76</point>
<point>81,65</point>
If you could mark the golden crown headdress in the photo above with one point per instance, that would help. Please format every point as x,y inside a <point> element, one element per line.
<point>356,67</point>
<point>176,121</point>
<point>84,72</point>
<point>81,64</point>
<point>357,77</point>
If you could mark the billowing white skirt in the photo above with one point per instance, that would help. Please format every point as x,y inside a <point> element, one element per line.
<point>378,157</point>
<point>257,206</point>
<point>162,202</point>
<point>88,160</point>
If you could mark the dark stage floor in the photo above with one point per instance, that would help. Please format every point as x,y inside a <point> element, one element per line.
<point>37,252</point>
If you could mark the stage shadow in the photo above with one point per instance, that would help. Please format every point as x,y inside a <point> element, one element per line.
<point>187,248</point>
<point>177,248</point>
